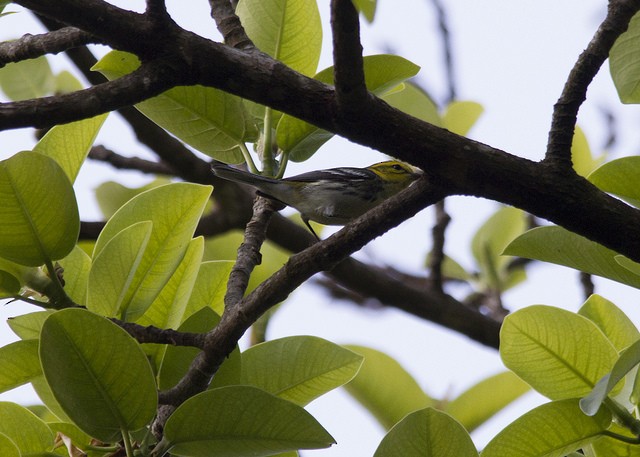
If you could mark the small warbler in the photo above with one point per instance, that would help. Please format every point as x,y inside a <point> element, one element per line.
<point>331,197</point>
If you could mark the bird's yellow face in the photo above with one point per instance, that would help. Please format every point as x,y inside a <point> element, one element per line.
<point>396,172</point>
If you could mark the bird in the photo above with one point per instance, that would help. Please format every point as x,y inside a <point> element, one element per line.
<point>333,196</point>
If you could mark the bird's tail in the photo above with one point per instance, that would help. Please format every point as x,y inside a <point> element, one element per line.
<point>222,170</point>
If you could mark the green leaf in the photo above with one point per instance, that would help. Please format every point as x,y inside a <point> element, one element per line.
<point>111,196</point>
<point>287,30</point>
<point>628,360</point>
<point>551,430</point>
<point>611,320</point>
<point>489,242</point>
<point>611,447</point>
<point>9,284</point>
<point>19,364</point>
<point>114,268</point>
<point>619,177</point>
<point>382,74</point>
<point>77,266</point>
<point>460,116</point>
<point>385,388</point>
<point>239,421</point>
<point>66,83</point>
<point>481,401</point>
<point>298,368</point>
<point>210,120</point>
<point>28,326</point>
<point>177,359</point>
<point>30,434</point>
<point>367,8</point>
<point>557,245</point>
<point>27,79</point>
<point>8,447</point>
<point>581,156</point>
<point>98,373</point>
<point>175,210</point>
<point>559,353</point>
<point>69,144</point>
<point>169,308</point>
<point>414,101</point>
<point>77,436</point>
<point>624,63</point>
<point>210,287</point>
<point>38,209</point>
<point>427,433</point>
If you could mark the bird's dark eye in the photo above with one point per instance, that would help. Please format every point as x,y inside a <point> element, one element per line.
<point>397,167</point>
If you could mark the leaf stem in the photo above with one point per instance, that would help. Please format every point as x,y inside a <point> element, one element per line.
<point>247,158</point>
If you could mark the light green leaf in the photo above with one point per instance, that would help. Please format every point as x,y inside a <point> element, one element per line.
<point>38,209</point>
<point>69,144</point>
<point>382,74</point>
<point>8,447</point>
<point>239,421</point>
<point>427,433</point>
<point>77,436</point>
<point>28,326</point>
<point>287,30</point>
<point>77,266</point>
<point>45,394</point>
<point>611,447</point>
<point>298,368</point>
<point>27,79</point>
<point>98,373</point>
<point>551,430</point>
<point>175,210</point>
<point>559,353</point>
<point>30,434</point>
<point>210,120</point>
<point>581,156</point>
<point>557,245</point>
<point>210,287</point>
<point>19,364</point>
<point>114,269</point>
<point>9,285</point>
<point>611,320</point>
<point>480,402</point>
<point>624,63</point>
<point>489,242</point>
<point>385,388</point>
<point>460,116</point>
<point>111,196</point>
<point>628,360</point>
<point>619,177</point>
<point>168,309</point>
<point>367,8</point>
<point>414,101</point>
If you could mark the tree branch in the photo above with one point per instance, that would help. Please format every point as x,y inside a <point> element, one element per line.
<point>565,112</point>
<point>155,335</point>
<point>32,46</point>
<point>348,73</point>
<point>229,25</point>
<point>102,154</point>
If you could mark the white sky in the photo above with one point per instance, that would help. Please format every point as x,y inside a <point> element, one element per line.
<point>513,58</point>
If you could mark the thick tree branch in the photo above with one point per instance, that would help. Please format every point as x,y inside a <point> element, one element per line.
<point>348,73</point>
<point>32,46</point>
<point>229,25</point>
<point>321,256</point>
<point>565,112</point>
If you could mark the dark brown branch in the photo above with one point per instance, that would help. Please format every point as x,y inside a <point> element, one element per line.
<point>437,256</point>
<point>586,281</point>
<point>102,154</point>
<point>32,46</point>
<point>348,73</point>
<point>249,251</point>
<point>229,25</point>
<point>321,256</point>
<point>155,335</point>
<point>447,50</point>
<point>565,111</point>
<point>149,80</point>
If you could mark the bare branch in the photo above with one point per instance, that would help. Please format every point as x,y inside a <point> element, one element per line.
<point>155,335</point>
<point>447,50</point>
<point>223,12</point>
<point>32,46</point>
<point>436,256</point>
<point>118,161</point>
<point>348,73</point>
<point>565,112</point>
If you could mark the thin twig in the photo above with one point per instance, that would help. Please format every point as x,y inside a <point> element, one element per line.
<point>229,25</point>
<point>437,256</point>
<point>155,335</point>
<point>102,154</point>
